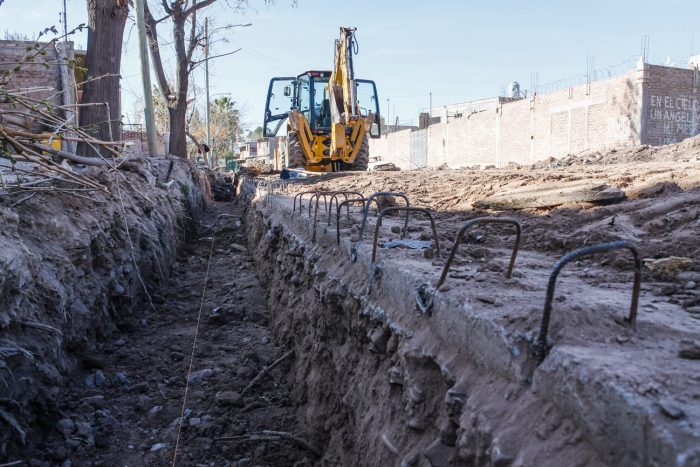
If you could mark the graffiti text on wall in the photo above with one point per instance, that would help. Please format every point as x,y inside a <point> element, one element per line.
<point>678,116</point>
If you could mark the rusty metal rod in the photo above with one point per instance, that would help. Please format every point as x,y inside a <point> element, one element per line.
<point>318,195</point>
<point>425,211</point>
<point>347,202</point>
<point>300,196</point>
<point>318,198</point>
<point>483,220</point>
<point>383,194</point>
<point>335,197</point>
<point>540,347</point>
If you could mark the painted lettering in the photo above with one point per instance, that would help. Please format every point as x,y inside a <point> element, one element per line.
<point>675,117</point>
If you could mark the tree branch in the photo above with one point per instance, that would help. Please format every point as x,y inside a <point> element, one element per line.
<point>194,64</point>
<point>181,65</point>
<point>198,6</point>
<point>70,156</point>
<point>166,7</point>
<point>152,34</point>
<point>194,37</point>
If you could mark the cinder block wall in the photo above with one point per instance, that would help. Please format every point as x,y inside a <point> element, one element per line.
<point>652,104</point>
<point>395,147</point>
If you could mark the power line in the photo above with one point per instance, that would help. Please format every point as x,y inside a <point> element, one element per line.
<point>264,57</point>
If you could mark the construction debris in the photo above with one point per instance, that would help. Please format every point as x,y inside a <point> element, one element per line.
<point>35,135</point>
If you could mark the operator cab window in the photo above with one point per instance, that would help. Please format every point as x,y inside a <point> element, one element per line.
<point>280,97</point>
<point>368,102</point>
<point>305,97</point>
<point>322,106</point>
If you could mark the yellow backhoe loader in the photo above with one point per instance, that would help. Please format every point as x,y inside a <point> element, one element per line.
<point>329,114</point>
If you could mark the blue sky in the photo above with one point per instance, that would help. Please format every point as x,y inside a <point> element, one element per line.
<point>458,50</point>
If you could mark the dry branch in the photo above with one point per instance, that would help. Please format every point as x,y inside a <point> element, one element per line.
<point>265,371</point>
<point>26,132</point>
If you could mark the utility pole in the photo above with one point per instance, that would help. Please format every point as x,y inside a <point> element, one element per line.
<point>146,78</point>
<point>430,109</point>
<point>206,73</point>
<point>65,22</point>
<point>387,115</point>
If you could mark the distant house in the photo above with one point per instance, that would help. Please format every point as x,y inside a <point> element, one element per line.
<point>50,77</point>
<point>248,149</point>
<point>272,151</point>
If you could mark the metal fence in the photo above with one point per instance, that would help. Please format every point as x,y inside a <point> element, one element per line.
<point>419,148</point>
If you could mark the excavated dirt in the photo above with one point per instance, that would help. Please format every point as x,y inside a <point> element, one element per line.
<point>660,211</point>
<point>374,389</point>
<point>72,271</point>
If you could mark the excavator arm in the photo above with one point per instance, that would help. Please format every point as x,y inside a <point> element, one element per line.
<point>344,109</point>
<point>342,82</point>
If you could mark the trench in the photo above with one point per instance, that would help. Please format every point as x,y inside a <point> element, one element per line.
<point>299,362</point>
<point>124,403</point>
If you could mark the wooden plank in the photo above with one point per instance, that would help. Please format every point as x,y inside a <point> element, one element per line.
<point>552,195</point>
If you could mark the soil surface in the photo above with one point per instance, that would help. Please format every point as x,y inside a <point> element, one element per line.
<point>660,208</point>
<point>125,407</point>
<point>212,344</point>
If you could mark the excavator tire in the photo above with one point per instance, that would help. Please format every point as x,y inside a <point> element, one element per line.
<point>362,159</point>
<point>296,155</point>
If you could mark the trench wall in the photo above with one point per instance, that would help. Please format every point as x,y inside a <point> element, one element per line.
<point>650,105</point>
<point>70,276</point>
<point>376,382</point>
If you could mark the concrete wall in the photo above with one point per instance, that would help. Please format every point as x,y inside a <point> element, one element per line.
<point>651,104</point>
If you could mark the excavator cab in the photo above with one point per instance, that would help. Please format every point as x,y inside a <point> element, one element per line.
<point>308,93</point>
<point>329,114</point>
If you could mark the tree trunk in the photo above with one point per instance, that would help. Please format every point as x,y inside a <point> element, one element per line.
<point>178,107</point>
<point>106,22</point>
<point>178,126</point>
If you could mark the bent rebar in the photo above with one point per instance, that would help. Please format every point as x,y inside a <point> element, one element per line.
<point>540,347</point>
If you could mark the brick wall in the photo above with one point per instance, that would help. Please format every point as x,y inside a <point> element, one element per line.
<point>671,104</point>
<point>42,72</point>
<point>590,117</point>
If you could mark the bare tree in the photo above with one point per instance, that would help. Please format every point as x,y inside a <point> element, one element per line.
<point>183,15</point>
<point>175,93</point>
<point>106,22</point>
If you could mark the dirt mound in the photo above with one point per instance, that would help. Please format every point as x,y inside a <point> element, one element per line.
<point>686,151</point>
<point>381,403</point>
